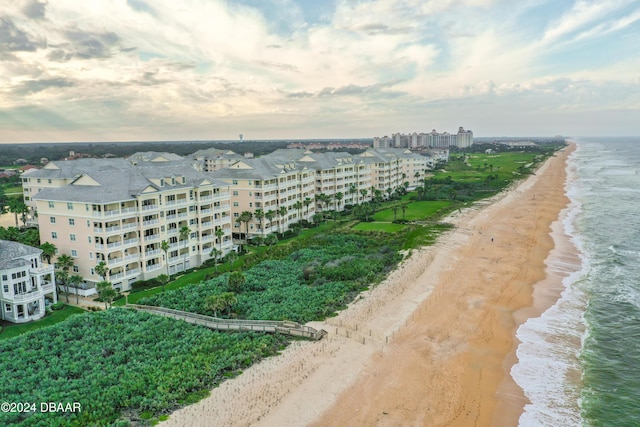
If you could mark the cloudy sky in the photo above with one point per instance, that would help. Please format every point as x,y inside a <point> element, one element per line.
<point>123,70</point>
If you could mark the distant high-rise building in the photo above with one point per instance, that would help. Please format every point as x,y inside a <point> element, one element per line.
<point>463,139</point>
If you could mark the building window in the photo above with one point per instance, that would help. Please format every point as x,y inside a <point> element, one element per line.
<point>49,181</point>
<point>235,204</point>
<point>69,205</point>
<point>72,221</point>
<point>54,235</point>
<point>72,237</point>
<point>236,214</point>
<point>234,182</point>
<point>88,223</point>
<point>51,204</point>
<point>92,272</point>
<point>5,288</point>
<point>235,193</point>
<point>4,277</point>
<point>7,307</point>
<point>38,180</point>
<point>74,253</point>
<point>250,204</point>
<point>89,239</point>
<point>76,269</point>
<point>52,219</point>
<point>90,255</point>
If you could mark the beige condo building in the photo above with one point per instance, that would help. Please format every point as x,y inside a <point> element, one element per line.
<point>120,211</point>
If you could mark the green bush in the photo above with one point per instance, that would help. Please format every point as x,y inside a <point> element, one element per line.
<point>57,306</point>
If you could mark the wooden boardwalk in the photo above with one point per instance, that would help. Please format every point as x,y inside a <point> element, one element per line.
<point>271,326</point>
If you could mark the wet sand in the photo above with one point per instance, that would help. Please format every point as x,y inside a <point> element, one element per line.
<point>432,345</point>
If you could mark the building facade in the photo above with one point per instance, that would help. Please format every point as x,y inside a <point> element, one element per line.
<point>433,139</point>
<point>25,282</point>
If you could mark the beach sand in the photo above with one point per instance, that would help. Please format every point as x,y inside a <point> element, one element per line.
<point>432,345</point>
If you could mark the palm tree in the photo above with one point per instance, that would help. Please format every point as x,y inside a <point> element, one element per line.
<point>404,209</point>
<point>307,201</point>
<point>184,235</point>
<point>270,215</point>
<point>215,253</point>
<point>271,240</point>
<point>338,197</point>
<point>245,217</point>
<point>74,280</point>
<point>353,190</point>
<point>395,212</point>
<point>298,206</point>
<point>48,250</point>
<point>16,206</point>
<point>235,281</point>
<point>163,279</point>
<point>389,191</point>
<point>259,215</point>
<point>106,292</point>
<point>64,263</point>
<point>164,245</point>
<point>219,235</point>
<point>232,257</point>
<point>283,214</point>
<point>363,192</point>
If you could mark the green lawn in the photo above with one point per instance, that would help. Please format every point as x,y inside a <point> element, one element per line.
<point>50,319</point>
<point>378,226</point>
<point>9,190</point>
<point>415,211</point>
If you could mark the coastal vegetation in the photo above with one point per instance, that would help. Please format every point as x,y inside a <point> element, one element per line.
<point>309,274</point>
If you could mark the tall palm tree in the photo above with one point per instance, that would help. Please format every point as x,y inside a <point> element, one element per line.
<point>215,253</point>
<point>259,215</point>
<point>74,280</point>
<point>244,218</point>
<point>353,190</point>
<point>283,214</point>
<point>184,235</point>
<point>101,270</point>
<point>232,257</point>
<point>363,192</point>
<point>298,206</point>
<point>48,250</point>
<point>404,209</point>
<point>270,215</point>
<point>338,198</point>
<point>307,201</point>
<point>64,263</point>
<point>219,235</point>
<point>164,246</point>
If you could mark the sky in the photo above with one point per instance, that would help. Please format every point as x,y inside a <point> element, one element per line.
<point>135,70</point>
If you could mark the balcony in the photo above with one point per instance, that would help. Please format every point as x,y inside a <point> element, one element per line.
<point>150,222</point>
<point>112,229</point>
<point>152,237</point>
<point>99,246</point>
<point>115,261</point>
<point>113,245</point>
<point>116,276</point>
<point>206,224</point>
<point>206,211</point>
<point>98,229</point>
<point>129,226</point>
<point>206,198</point>
<point>153,267</point>
<point>149,207</point>
<point>48,287</point>
<point>133,272</point>
<point>152,252</point>
<point>132,257</point>
<point>44,269</point>
<point>130,242</point>
<point>29,296</point>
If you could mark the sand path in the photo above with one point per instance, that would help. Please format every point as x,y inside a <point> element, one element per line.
<point>426,347</point>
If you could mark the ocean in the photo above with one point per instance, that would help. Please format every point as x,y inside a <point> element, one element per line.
<point>579,362</point>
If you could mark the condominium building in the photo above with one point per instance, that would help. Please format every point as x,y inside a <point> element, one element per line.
<point>25,282</point>
<point>120,211</point>
<point>433,139</point>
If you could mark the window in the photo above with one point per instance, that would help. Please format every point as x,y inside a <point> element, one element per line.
<point>72,221</point>
<point>76,269</point>
<point>7,307</point>
<point>236,214</point>
<point>235,192</point>
<point>5,288</point>
<point>235,204</point>
<point>4,277</point>
<point>92,272</point>
<point>90,255</point>
<point>39,180</point>
<point>88,223</point>
<point>74,253</point>
<point>234,182</point>
<point>69,205</point>
<point>49,181</point>
<point>89,239</point>
<point>72,237</point>
<point>250,204</point>
<point>52,219</point>
<point>54,235</point>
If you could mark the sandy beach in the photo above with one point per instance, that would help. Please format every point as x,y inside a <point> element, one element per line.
<point>433,344</point>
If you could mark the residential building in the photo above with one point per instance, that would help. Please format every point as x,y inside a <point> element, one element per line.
<point>25,282</point>
<point>119,212</point>
<point>433,139</point>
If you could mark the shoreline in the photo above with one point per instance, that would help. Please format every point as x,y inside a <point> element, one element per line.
<point>428,345</point>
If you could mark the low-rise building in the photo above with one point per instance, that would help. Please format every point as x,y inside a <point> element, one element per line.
<point>25,282</point>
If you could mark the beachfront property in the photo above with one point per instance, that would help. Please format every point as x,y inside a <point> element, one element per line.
<point>119,211</point>
<point>433,139</point>
<point>25,281</point>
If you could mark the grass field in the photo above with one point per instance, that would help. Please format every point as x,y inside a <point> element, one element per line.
<point>50,319</point>
<point>415,211</point>
<point>378,226</point>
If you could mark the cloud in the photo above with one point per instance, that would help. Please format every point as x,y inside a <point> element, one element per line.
<point>14,39</point>
<point>87,45</point>
<point>33,86</point>
<point>35,9</point>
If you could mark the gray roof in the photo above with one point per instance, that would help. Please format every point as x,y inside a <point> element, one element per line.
<point>120,181</point>
<point>74,168</point>
<point>11,254</point>
<point>149,156</point>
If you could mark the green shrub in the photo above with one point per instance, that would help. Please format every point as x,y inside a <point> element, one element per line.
<point>57,306</point>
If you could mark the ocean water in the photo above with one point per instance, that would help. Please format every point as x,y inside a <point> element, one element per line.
<point>579,362</point>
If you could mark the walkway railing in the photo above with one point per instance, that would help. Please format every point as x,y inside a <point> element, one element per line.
<point>283,327</point>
